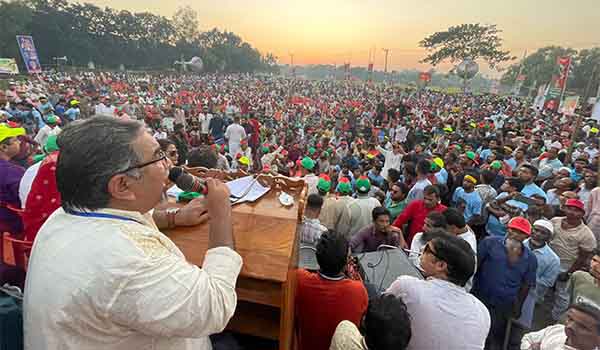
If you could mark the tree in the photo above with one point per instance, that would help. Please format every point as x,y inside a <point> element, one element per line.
<point>186,24</point>
<point>540,66</point>
<point>586,72</point>
<point>474,41</point>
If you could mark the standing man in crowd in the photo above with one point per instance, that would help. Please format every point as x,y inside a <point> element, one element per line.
<point>448,263</point>
<point>505,272</point>
<point>573,242</point>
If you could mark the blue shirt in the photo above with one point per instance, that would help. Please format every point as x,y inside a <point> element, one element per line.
<point>547,270</point>
<point>376,180</point>
<point>531,189</point>
<point>72,114</point>
<point>575,176</point>
<point>485,154</point>
<point>512,162</point>
<point>497,282</point>
<point>473,201</point>
<point>442,176</point>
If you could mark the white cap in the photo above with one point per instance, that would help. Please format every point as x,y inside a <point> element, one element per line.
<point>556,145</point>
<point>545,224</point>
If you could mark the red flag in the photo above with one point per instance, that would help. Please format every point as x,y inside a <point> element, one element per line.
<point>425,76</point>
<point>564,64</point>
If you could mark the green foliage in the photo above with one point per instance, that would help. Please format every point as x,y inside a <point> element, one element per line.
<point>473,41</point>
<point>84,32</point>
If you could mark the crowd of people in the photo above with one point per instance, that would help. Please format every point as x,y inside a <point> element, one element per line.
<point>494,201</point>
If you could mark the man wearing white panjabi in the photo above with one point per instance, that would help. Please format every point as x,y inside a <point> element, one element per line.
<point>234,134</point>
<point>101,274</point>
<point>393,158</point>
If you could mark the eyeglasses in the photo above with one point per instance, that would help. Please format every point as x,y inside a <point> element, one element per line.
<point>428,249</point>
<point>161,156</point>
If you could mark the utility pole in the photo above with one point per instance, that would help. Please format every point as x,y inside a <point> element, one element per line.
<point>387,51</point>
<point>292,63</point>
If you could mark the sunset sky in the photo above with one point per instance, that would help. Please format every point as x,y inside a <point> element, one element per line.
<point>338,31</point>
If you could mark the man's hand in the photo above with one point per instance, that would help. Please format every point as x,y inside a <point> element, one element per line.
<point>393,229</point>
<point>219,212</point>
<point>194,213</point>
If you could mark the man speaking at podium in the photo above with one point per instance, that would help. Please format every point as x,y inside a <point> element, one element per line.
<point>101,275</point>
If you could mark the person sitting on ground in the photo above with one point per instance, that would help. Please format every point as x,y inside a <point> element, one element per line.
<point>380,232</point>
<point>311,228</point>
<point>448,263</point>
<point>581,331</point>
<point>386,325</point>
<point>344,298</point>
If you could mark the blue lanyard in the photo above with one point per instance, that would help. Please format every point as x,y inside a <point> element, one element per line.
<point>102,215</point>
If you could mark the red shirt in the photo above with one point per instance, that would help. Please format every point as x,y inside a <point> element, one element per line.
<point>416,212</point>
<point>321,304</point>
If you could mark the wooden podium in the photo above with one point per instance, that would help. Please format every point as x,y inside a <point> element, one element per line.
<point>266,238</point>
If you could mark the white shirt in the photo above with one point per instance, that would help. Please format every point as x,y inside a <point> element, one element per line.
<point>42,136</point>
<point>443,315</point>
<point>401,133</point>
<point>97,283</point>
<point>204,120</point>
<point>235,133</point>
<point>549,338</point>
<point>27,181</point>
<point>392,161</point>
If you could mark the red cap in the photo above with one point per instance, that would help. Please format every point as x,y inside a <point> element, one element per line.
<point>521,224</point>
<point>344,179</point>
<point>576,203</point>
<point>325,177</point>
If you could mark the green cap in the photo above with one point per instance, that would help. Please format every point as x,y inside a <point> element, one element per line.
<point>496,165</point>
<point>265,149</point>
<point>52,119</point>
<point>324,183</point>
<point>311,151</point>
<point>470,155</point>
<point>51,144</point>
<point>363,184</point>
<point>307,163</point>
<point>344,186</point>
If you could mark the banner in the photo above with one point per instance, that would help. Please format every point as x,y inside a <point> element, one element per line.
<point>425,77</point>
<point>370,68</point>
<point>29,54</point>
<point>8,66</point>
<point>564,64</point>
<point>569,105</point>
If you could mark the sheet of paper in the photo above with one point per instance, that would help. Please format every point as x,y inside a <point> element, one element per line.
<point>174,191</point>
<point>246,188</point>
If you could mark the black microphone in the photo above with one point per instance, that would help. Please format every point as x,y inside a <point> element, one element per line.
<point>187,182</point>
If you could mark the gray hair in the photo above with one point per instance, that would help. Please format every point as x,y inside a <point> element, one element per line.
<point>92,151</point>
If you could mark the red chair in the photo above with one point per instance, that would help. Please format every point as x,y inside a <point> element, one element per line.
<point>21,250</point>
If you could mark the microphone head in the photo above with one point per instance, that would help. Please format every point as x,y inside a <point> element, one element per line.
<point>175,173</point>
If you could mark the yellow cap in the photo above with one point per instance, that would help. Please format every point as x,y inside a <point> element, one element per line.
<point>439,162</point>
<point>8,132</point>
<point>244,160</point>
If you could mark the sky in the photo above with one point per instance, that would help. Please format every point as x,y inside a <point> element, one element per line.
<point>339,31</point>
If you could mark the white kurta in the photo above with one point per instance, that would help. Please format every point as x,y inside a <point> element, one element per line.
<point>392,161</point>
<point>105,283</point>
<point>235,133</point>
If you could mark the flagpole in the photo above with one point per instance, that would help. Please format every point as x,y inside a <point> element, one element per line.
<point>515,92</point>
